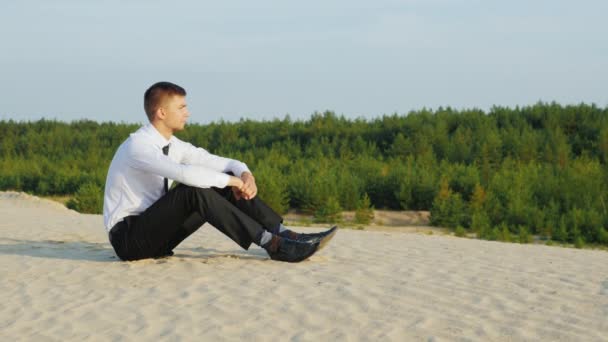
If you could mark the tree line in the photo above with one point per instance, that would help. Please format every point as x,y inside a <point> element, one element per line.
<point>504,174</point>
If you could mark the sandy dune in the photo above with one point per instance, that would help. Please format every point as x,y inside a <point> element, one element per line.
<point>60,280</point>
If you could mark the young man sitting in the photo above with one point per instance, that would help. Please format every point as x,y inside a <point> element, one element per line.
<point>147,220</point>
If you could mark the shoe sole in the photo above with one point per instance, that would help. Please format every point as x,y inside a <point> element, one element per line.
<point>327,238</point>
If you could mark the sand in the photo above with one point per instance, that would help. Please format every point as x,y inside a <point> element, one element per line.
<point>60,281</point>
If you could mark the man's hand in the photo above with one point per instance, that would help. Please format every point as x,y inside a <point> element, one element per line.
<point>249,189</point>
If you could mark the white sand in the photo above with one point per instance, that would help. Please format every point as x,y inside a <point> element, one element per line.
<point>60,280</point>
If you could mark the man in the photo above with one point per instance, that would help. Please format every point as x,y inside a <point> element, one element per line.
<point>147,220</point>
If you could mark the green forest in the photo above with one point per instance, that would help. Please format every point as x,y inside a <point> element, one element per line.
<point>504,174</point>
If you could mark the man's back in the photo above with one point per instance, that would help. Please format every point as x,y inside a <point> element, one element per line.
<point>129,190</point>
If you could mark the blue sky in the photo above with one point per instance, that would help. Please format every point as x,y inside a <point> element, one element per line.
<point>71,59</point>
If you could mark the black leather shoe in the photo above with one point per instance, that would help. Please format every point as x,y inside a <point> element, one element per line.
<point>283,249</point>
<point>322,238</point>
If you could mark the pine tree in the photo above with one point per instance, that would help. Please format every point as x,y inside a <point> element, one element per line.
<point>364,213</point>
<point>329,212</point>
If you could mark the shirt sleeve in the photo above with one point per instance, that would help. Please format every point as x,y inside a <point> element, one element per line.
<point>199,156</point>
<point>147,158</point>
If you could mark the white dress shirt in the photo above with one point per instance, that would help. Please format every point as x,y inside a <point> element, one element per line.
<point>136,175</point>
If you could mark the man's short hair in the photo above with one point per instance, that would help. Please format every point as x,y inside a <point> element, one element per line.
<point>157,93</point>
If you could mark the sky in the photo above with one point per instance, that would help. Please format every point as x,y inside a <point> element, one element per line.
<point>71,59</point>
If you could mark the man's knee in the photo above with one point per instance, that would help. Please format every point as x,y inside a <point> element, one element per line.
<point>204,192</point>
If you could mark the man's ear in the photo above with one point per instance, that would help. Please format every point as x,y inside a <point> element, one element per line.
<point>160,113</point>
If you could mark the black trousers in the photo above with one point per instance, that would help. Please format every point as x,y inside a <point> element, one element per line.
<point>181,211</point>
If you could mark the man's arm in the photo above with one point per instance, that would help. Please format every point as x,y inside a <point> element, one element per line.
<point>150,159</point>
<point>199,156</point>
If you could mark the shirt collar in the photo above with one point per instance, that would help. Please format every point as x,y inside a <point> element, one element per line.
<point>157,138</point>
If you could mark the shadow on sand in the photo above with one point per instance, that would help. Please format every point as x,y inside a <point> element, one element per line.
<point>103,252</point>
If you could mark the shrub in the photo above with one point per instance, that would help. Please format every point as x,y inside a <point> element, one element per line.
<point>329,212</point>
<point>524,235</point>
<point>579,242</point>
<point>365,211</point>
<point>561,233</point>
<point>480,223</point>
<point>503,233</point>
<point>448,209</point>
<point>273,189</point>
<point>88,199</point>
<point>603,236</point>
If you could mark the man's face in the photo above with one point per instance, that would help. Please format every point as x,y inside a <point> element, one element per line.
<point>175,112</point>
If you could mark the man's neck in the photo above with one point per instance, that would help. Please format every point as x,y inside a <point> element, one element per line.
<point>165,131</point>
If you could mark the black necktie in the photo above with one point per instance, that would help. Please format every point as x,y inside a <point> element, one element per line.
<point>166,152</point>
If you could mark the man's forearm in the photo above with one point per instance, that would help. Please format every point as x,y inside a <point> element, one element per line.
<point>235,181</point>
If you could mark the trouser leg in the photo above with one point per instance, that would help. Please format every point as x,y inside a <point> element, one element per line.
<point>149,233</point>
<point>255,208</point>
<point>192,224</point>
